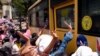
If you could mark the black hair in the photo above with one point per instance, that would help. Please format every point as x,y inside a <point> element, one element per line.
<point>15,35</point>
<point>34,38</point>
<point>5,51</point>
<point>12,31</point>
<point>1,31</point>
<point>34,35</point>
<point>4,16</point>
<point>6,39</point>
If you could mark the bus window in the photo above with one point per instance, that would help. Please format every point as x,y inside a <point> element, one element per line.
<point>65,13</point>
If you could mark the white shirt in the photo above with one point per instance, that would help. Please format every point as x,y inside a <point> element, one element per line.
<point>84,51</point>
<point>15,49</point>
<point>43,42</point>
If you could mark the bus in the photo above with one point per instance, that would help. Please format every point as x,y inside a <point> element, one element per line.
<point>83,14</point>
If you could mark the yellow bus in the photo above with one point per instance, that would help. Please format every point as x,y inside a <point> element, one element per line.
<point>79,12</point>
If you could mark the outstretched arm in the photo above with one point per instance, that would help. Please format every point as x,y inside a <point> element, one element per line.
<point>25,36</point>
<point>41,30</point>
<point>22,36</point>
<point>67,37</point>
<point>54,34</point>
<point>68,25</point>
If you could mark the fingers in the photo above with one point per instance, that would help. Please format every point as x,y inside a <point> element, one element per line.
<point>65,22</point>
<point>21,35</point>
<point>68,25</point>
<point>53,33</point>
<point>41,30</point>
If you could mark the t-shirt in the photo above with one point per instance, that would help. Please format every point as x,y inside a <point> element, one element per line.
<point>27,33</point>
<point>43,42</point>
<point>84,51</point>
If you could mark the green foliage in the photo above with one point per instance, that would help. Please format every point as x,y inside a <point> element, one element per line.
<point>22,6</point>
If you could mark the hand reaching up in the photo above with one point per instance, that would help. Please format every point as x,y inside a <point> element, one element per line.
<point>53,33</point>
<point>41,31</point>
<point>68,25</point>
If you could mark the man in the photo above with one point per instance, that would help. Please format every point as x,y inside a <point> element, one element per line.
<point>28,49</point>
<point>42,42</point>
<point>67,37</point>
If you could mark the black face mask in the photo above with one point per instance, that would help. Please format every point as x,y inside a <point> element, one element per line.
<point>1,31</point>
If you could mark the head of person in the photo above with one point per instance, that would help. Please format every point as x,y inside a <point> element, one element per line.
<point>34,38</point>
<point>6,39</point>
<point>14,34</point>
<point>5,17</point>
<point>1,31</point>
<point>82,41</point>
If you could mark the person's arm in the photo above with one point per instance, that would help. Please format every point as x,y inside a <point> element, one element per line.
<point>41,30</point>
<point>24,37</point>
<point>1,27</point>
<point>68,35</point>
<point>68,25</point>
<point>25,47</point>
<point>54,34</point>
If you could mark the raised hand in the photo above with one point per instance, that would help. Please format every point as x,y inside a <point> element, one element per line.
<point>68,25</point>
<point>53,33</point>
<point>41,31</point>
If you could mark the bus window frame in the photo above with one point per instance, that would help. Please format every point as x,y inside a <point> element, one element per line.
<point>55,15</point>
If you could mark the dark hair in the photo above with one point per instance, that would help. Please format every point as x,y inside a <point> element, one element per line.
<point>14,34</point>
<point>12,31</point>
<point>34,38</point>
<point>5,51</point>
<point>6,39</point>
<point>1,31</point>
<point>4,16</point>
<point>83,39</point>
<point>34,35</point>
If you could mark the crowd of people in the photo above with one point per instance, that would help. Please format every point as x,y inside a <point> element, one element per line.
<point>16,43</point>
